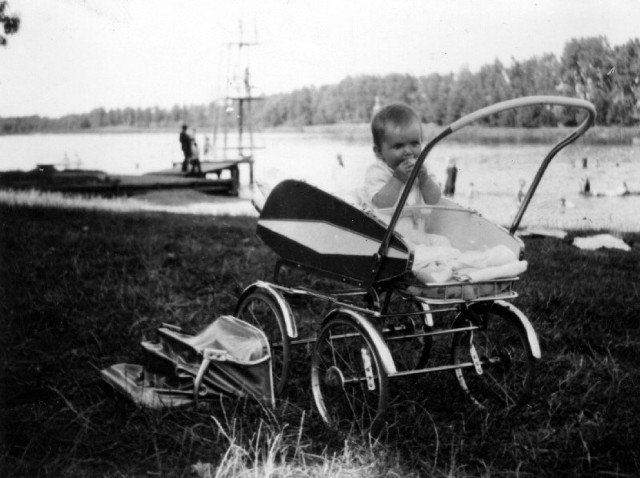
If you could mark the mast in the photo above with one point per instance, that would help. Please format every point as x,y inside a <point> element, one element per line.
<point>239,96</point>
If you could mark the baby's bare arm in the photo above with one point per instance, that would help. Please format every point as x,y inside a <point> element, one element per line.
<point>388,194</point>
<point>428,188</point>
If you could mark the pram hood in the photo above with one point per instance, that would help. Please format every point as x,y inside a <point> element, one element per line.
<point>313,229</point>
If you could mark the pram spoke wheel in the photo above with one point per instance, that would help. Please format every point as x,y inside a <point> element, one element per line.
<point>402,333</point>
<point>261,310</point>
<point>349,383</point>
<point>497,359</point>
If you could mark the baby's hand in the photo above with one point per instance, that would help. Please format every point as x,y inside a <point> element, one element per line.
<point>422,174</point>
<point>403,170</point>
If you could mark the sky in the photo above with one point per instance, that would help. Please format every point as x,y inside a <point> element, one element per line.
<point>71,56</point>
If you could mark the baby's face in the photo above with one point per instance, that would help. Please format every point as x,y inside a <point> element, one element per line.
<point>399,143</point>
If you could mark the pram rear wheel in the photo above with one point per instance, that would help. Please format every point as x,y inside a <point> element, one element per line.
<point>500,367</point>
<point>410,351</point>
<point>349,382</point>
<point>260,309</point>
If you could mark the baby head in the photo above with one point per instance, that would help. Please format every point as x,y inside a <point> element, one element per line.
<point>397,134</point>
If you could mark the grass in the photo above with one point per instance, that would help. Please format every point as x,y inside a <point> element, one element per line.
<point>81,288</point>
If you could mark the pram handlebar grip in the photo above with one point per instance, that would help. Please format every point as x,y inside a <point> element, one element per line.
<point>521,102</point>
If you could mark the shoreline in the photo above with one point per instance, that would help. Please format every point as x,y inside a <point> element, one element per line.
<point>597,135</point>
<point>175,202</point>
<point>192,202</point>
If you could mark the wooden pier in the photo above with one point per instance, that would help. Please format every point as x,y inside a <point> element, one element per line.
<point>47,178</point>
<point>208,169</point>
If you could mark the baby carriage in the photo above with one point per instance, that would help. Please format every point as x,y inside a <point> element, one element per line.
<point>388,277</point>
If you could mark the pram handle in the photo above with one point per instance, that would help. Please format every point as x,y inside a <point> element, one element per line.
<point>479,114</point>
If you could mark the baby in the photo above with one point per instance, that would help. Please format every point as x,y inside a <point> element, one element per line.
<point>397,142</point>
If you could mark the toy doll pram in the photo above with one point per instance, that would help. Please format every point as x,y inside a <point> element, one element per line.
<point>383,319</point>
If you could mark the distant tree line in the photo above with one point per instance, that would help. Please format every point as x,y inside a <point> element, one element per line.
<point>589,68</point>
<point>123,118</point>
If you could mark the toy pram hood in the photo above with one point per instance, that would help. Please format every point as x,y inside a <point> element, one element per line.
<point>229,357</point>
<point>314,229</point>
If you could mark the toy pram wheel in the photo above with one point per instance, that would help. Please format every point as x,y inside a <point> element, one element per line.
<point>408,352</point>
<point>349,380</point>
<point>500,364</point>
<point>260,309</point>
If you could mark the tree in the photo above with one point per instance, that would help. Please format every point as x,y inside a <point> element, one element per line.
<point>625,93</point>
<point>326,106</point>
<point>97,118</point>
<point>492,83</point>
<point>587,64</point>
<point>10,23</point>
<point>462,94</point>
<point>539,76</point>
<point>434,90</point>
<point>300,108</point>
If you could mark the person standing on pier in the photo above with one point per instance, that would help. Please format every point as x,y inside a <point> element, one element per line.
<point>195,157</point>
<point>185,143</point>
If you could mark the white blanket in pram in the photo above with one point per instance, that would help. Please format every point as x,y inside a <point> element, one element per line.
<point>441,263</point>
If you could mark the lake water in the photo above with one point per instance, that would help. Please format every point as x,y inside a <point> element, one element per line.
<point>493,170</point>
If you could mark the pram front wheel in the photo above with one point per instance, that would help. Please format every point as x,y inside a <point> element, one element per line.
<point>348,377</point>
<point>497,358</point>
<point>259,308</point>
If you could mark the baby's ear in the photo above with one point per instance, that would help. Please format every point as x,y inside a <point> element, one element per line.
<point>377,152</point>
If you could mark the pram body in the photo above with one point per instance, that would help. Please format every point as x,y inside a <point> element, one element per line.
<point>383,320</point>
<point>330,236</point>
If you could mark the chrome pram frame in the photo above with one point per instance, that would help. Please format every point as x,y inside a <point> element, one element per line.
<point>381,324</point>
